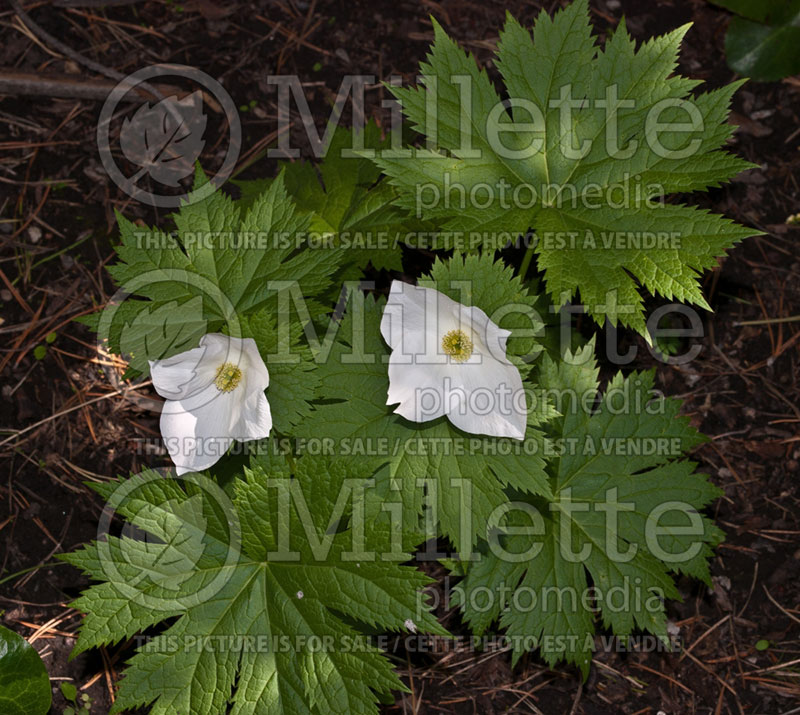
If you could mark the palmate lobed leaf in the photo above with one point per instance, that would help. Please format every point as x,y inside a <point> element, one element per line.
<point>157,329</point>
<point>348,205</point>
<point>247,608</point>
<point>548,597</point>
<point>575,190</point>
<point>215,271</point>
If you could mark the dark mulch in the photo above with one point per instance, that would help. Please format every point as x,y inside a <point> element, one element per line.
<point>741,390</point>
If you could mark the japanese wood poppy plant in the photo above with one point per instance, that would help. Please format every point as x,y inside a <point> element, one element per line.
<point>320,437</point>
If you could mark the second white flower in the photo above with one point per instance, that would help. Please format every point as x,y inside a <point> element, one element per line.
<point>450,359</point>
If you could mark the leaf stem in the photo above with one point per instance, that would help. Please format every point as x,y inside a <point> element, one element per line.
<point>526,261</point>
<point>29,569</point>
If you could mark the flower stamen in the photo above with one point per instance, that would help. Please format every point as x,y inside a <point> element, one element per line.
<point>457,345</point>
<point>228,377</point>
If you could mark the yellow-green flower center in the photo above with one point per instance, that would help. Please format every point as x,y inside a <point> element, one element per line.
<point>228,377</point>
<point>457,345</point>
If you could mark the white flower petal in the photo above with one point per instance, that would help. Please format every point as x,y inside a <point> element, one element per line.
<point>220,342</point>
<point>488,399</point>
<point>255,419</point>
<point>492,338</point>
<point>182,375</point>
<point>405,305</point>
<point>431,314</point>
<point>197,436</point>
<point>419,391</point>
<point>257,375</point>
<point>225,349</point>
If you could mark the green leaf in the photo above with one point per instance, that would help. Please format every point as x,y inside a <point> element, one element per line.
<point>466,473</point>
<point>624,511</point>
<point>219,266</point>
<point>349,208</point>
<point>24,683</point>
<point>162,331</point>
<point>270,593</point>
<point>293,380</point>
<point>590,182</point>
<point>763,43</point>
<point>772,12</point>
<point>69,691</point>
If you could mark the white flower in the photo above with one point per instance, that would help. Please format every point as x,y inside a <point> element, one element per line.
<point>450,359</point>
<point>215,394</point>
